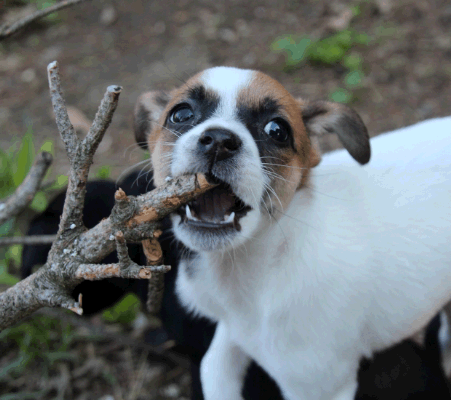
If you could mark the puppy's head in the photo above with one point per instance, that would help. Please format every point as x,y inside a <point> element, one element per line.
<point>243,130</point>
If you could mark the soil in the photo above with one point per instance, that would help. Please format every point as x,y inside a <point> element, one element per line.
<point>148,45</point>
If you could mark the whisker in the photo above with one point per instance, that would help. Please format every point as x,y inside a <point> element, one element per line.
<point>129,168</point>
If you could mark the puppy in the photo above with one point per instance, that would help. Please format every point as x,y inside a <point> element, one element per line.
<point>304,270</point>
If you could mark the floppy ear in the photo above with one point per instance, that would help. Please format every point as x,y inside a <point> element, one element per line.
<point>148,109</point>
<point>322,117</point>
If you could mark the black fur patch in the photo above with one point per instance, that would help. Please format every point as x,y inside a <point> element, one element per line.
<point>323,117</point>
<point>142,126</point>
<point>255,118</point>
<point>203,103</point>
<point>353,134</point>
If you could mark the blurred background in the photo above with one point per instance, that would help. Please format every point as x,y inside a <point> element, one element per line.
<point>390,60</point>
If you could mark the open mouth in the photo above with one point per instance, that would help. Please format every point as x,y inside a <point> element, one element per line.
<point>219,208</point>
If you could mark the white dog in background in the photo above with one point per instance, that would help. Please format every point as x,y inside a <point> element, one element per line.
<point>305,270</point>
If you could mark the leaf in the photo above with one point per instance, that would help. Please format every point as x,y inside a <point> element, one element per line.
<point>125,311</point>
<point>24,158</point>
<point>5,277</point>
<point>39,202</point>
<point>295,52</point>
<point>6,179</point>
<point>103,172</point>
<point>6,227</point>
<point>48,146</point>
<point>340,95</point>
<point>61,182</point>
<point>14,253</point>
<point>354,79</point>
<point>352,61</point>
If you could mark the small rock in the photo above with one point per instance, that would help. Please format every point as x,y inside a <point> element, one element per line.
<point>228,35</point>
<point>108,15</point>
<point>260,12</point>
<point>383,6</point>
<point>189,30</point>
<point>426,110</point>
<point>28,76</point>
<point>159,28</point>
<point>242,28</point>
<point>340,22</point>
<point>181,17</point>
<point>11,62</point>
<point>443,42</point>
<point>249,59</point>
<point>72,226</point>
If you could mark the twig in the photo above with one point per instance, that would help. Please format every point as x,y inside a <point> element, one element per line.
<point>8,30</point>
<point>80,153</point>
<point>155,291</point>
<point>27,189</point>
<point>27,240</point>
<point>76,250</point>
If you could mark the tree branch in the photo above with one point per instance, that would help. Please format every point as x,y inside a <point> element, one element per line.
<point>25,193</point>
<point>76,250</point>
<point>27,240</point>
<point>8,30</point>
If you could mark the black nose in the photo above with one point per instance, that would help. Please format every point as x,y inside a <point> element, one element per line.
<point>219,144</point>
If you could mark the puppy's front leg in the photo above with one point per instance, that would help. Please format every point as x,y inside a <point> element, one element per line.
<point>223,368</point>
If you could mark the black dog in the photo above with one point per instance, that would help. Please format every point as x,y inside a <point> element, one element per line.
<point>405,371</point>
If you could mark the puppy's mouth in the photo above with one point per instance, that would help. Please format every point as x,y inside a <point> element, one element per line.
<point>217,209</point>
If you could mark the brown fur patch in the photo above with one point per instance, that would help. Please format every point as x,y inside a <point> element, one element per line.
<point>295,173</point>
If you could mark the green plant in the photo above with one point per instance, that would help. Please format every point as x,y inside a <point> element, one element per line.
<point>125,311</point>
<point>103,172</point>
<point>15,164</point>
<point>43,339</point>
<point>332,50</point>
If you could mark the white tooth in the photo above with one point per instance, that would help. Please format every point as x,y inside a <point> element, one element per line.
<point>230,218</point>
<point>188,213</point>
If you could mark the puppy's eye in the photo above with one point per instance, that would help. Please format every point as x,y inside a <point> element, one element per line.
<point>277,131</point>
<point>181,114</point>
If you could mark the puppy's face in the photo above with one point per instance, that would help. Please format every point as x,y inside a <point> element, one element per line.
<point>244,131</point>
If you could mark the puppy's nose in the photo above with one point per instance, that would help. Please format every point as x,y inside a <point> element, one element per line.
<point>219,144</point>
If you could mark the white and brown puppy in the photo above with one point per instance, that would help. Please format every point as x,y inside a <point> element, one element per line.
<point>305,271</point>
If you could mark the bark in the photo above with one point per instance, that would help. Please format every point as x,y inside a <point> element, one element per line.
<point>25,193</point>
<point>76,251</point>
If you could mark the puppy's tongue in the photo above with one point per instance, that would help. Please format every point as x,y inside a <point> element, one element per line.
<point>214,204</point>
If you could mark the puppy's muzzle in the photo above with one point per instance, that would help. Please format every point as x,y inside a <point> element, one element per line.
<point>219,144</point>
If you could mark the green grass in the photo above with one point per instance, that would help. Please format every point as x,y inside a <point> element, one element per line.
<point>15,164</point>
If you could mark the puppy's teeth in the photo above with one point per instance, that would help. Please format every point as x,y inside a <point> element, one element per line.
<point>230,218</point>
<point>188,213</point>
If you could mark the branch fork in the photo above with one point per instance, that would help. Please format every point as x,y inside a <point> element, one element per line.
<point>76,251</point>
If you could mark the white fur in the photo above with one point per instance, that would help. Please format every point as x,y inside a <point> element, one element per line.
<point>226,82</point>
<point>360,260</point>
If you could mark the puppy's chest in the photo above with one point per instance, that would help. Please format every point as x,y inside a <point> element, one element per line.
<point>228,289</point>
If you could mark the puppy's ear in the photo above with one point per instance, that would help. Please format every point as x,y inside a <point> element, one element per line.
<point>322,117</point>
<point>148,109</point>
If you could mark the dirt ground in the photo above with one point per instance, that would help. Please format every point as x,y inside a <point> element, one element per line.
<point>144,45</point>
